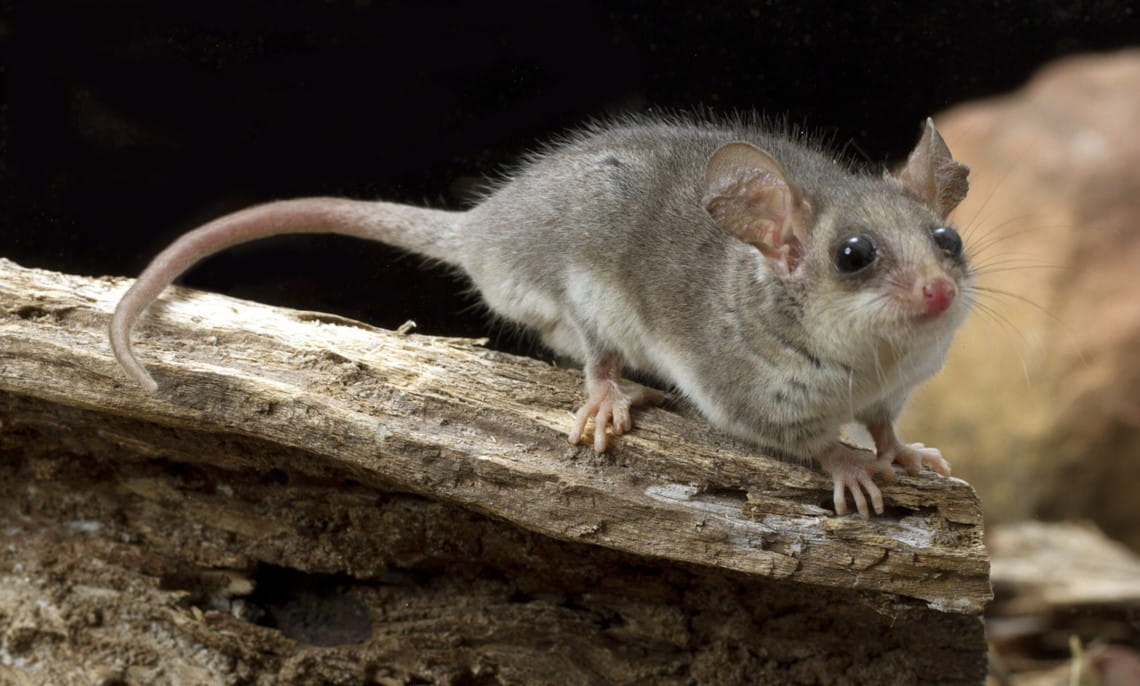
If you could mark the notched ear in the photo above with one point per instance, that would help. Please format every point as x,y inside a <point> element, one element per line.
<point>749,195</point>
<point>932,174</point>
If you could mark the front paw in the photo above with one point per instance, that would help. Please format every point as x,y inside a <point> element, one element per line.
<point>853,470</point>
<point>911,457</point>
<point>914,456</point>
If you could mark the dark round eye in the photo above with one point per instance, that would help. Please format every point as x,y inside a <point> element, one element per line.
<point>948,240</point>
<point>855,254</point>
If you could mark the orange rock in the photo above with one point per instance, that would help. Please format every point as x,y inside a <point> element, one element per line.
<point>1039,404</point>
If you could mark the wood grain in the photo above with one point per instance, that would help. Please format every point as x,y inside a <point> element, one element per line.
<point>312,500</point>
<point>450,420</point>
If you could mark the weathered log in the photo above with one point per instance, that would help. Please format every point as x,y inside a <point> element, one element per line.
<point>430,478</point>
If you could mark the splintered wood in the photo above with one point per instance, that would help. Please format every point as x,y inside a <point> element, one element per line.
<point>316,407</point>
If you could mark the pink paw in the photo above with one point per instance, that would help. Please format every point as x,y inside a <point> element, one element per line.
<point>608,404</point>
<point>914,456</point>
<point>853,470</point>
<point>911,457</point>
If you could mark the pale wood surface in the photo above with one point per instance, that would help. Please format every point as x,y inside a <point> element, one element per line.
<point>447,419</point>
<point>311,500</point>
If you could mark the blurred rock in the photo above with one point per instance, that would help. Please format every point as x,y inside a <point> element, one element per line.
<point>1066,601</point>
<point>1039,404</point>
<point>1040,569</point>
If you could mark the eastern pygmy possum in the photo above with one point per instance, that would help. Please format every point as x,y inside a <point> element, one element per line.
<point>779,291</point>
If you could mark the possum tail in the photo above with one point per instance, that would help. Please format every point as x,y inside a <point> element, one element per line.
<point>433,233</point>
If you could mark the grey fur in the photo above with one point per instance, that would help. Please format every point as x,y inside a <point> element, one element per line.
<point>602,245</point>
<point>623,257</point>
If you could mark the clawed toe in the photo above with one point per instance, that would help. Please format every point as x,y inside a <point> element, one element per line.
<point>911,457</point>
<point>581,418</point>
<point>610,412</point>
<point>851,471</point>
<point>915,456</point>
<point>609,406</point>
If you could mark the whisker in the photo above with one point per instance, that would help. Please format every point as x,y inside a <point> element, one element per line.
<point>993,233</point>
<point>977,247</point>
<point>851,392</point>
<point>1068,330</point>
<point>1023,219</point>
<point>991,315</point>
<point>990,290</point>
<point>999,269</point>
<point>1011,258</point>
<point>879,375</point>
<point>985,203</point>
<point>1010,263</point>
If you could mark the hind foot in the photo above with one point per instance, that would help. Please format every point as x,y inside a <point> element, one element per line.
<point>608,402</point>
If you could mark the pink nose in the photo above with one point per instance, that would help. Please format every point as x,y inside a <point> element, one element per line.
<point>938,294</point>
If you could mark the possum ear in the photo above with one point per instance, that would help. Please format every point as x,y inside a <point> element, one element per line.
<point>932,174</point>
<point>748,194</point>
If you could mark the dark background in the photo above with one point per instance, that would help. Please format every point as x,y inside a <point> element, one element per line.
<point>126,123</point>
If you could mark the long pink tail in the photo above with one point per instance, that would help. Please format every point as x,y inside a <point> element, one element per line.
<point>433,233</point>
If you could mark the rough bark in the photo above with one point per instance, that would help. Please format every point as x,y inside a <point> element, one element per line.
<point>309,499</point>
